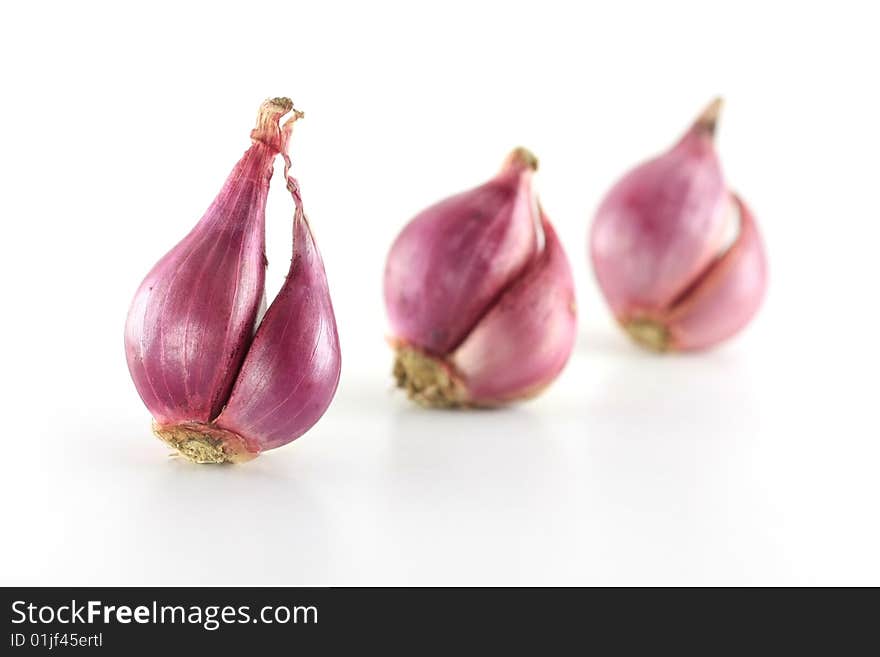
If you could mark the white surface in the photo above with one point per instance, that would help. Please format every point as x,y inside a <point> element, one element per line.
<point>754,464</point>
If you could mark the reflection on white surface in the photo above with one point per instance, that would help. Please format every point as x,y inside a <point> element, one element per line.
<point>481,489</point>
<point>632,469</point>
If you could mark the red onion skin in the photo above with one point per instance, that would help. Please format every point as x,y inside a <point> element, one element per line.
<point>525,339</point>
<point>729,294</point>
<point>291,371</point>
<point>479,240</point>
<point>218,392</point>
<point>482,315</point>
<point>657,237</point>
<point>649,238</point>
<point>193,316</point>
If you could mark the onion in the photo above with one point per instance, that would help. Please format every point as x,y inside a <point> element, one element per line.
<point>661,249</point>
<point>480,296</point>
<point>217,391</point>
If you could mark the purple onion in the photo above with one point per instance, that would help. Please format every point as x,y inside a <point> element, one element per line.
<point>661,251</point>
<point>482,311</point>
<point>218,392</point>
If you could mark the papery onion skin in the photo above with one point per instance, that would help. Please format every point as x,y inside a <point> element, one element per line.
<point>522,343</point>
<point>453,259</point>
<point>292,368</point>
<point>728,295</point>
<point>193,316</point>
<point>190,339</point>
<point>658,234</point>
<point>519,328</point>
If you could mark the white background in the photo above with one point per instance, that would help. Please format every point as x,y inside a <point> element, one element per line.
<point>753,464</point>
